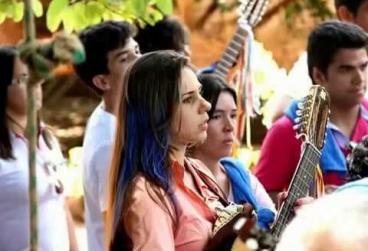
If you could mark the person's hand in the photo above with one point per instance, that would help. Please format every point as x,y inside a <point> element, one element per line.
<point>302,201</point>
<point>330,188</point>
<point>281,197</point>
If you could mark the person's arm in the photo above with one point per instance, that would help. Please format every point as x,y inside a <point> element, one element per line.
<point>147,222</point>
<point>71,229</point>
<point>275,198</point>
<point>101,166</point>
<point>280,153</point>
<point>279,106</point>
<point>262,197</point>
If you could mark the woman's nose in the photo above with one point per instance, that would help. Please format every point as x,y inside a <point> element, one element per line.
<point>229,124</point>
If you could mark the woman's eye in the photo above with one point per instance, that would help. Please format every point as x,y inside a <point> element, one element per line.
<point>216,116</point>
<point>233,116</point>
<point>188,100</point>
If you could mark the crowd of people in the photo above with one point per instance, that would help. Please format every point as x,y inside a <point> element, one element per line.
<point>158,171</point>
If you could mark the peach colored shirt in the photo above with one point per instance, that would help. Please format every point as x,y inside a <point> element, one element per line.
<point>151,227</point>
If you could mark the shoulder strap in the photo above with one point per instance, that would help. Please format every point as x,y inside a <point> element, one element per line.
<point>210,182</point>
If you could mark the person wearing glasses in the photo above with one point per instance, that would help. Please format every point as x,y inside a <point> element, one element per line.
<point>55,225</point>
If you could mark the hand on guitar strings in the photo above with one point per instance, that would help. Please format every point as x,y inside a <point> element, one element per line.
<point>281,197</point>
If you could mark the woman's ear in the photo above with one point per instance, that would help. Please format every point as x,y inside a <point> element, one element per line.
<point>318,76</point>
<point>100,82</point>
<point>344,14</point>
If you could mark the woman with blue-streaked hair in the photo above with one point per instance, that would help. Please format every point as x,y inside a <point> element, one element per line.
<point>157,200</point>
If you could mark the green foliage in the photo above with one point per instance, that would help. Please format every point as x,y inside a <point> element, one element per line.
<point>14,9</point>
<point>53,16</point>
<point>74,15</point>
<point>317,9</point>
<point>37,8</point>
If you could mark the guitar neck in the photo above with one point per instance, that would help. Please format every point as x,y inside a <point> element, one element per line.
<point>231,53</point>
<point>304,177</point>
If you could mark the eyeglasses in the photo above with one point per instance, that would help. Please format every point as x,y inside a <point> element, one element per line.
<point>20,80</point>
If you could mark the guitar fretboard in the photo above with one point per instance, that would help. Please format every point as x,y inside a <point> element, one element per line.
<point>303,178</point>
<point>231,53</point>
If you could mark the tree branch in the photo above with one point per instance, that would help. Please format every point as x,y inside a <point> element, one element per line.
<point>274,9</point>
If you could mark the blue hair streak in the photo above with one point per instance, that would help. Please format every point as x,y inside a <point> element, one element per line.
<point>146,152</point>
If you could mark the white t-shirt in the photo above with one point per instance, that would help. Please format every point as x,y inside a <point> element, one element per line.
<point>14,203</point>
<point>97,150</point>
<point>298,80</point>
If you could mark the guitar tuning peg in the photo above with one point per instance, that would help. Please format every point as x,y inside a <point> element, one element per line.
<point>299,112</point>
<point>300,105</point>
<point>297,127</point>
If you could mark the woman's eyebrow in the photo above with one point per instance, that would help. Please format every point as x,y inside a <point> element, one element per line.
<point>193,91</point>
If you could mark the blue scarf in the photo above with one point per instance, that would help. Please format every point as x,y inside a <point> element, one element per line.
<point>332,158</point>
<point>242,190</point>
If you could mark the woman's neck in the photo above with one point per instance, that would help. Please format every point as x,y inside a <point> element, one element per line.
<point>178,153</point>
<point>16,123</point>
<point>214,165</point>
<point>211,163</point>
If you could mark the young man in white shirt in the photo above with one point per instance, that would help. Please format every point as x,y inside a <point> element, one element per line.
<point>109,48</point>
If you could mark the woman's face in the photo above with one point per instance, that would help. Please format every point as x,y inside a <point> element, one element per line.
<point>221,128</point>
<point>189,123</point>
<point>17,90</point>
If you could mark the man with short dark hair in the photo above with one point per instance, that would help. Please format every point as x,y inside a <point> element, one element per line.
<point>297,84</point>
<point>337,60</point>
<point>109,48</point>
<point>353,11</point>
<point>167,34</point>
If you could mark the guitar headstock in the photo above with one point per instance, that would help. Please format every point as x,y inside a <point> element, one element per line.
<point>313,116</point>
<point>252,11</point>
<point>251,237</point>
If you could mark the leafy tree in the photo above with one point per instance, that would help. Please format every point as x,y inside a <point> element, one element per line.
<point>74,15</point>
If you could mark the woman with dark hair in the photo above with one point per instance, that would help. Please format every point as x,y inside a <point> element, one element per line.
<point>157,200</point>
<point>236,182</point>
<point>54,223</point>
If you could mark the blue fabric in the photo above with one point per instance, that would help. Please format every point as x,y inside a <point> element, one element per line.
<point>242,190</point>
<point>207,69</point>
<point>332,158</point>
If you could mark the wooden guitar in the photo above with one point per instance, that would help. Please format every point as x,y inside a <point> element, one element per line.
<point>251,12</point>
<point>312,127</point>
<point>251,237</point>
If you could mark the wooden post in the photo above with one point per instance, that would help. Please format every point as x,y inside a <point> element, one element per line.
<point>31,132</point>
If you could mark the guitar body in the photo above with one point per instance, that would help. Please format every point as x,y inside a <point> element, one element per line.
<point>224,239</point>
<point>224,233</point>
